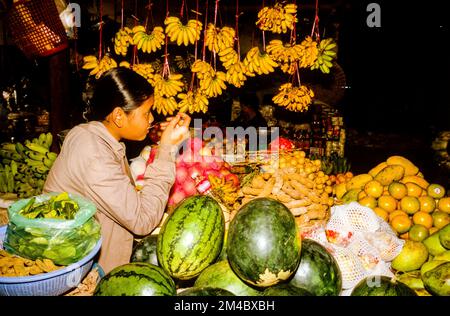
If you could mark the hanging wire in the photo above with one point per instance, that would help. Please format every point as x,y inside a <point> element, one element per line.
<point>100,48</point>
<point>121,15</point>
<point>135,56</point>
<point>166,68</point>
<point>204,32</point>
<point>315,28</point>
<point>191,87</point>
<point>216,7</point>
<point>236,31</point>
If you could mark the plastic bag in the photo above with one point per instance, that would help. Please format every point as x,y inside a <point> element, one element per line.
<point>62,241</point>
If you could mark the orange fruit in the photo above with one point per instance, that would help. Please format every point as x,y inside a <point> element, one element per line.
<point>413,189</point>
<point>440,219</point>
<point>396,213</point>
<point>436,191</point>
<point>382,213</point>
<point>410,204</point>
<point>373,188</point>
<point>427,204</point>
<point>387,202</point>
<point>368,201</point>
<point>401,224</point>
<point>404,236</point>
<point>444,205</point>
<point>432,230</point>
<point>397,190</point>
<point>423,218</point>
<point>418,232</point>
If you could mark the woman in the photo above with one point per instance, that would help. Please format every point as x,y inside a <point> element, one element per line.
<point>92,163</point>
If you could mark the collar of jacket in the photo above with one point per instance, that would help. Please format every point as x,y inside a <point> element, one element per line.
<point>100,130</point>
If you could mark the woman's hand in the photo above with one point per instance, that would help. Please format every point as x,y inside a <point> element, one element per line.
<point>176,129</point>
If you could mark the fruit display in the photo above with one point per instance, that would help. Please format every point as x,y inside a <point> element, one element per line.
<point>325,56</point>
<point>122,40</point>
<point>218,39</point>
<point>381,285</point>
<point>136,279</point>
<point>266,243</point>
<point>146,42</point>
<point>293,98</point>
<point>318,272</point>
<point>335,165</point>
<point>145,250</point>
<point>98,67</point>
<point>191,237</point>
<point>180,33</point>
<point>24,167</point>
<point>205,291</point>
<point>257,62</point>
<point>441,148</point>
<point>60,206</point>
<point>277,19</point>
<point>192,102</point>
<point>15,266</point>
<point>436,280</point>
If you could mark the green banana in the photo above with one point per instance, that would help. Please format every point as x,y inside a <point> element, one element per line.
<point>9,147</point>
<point>52,156</point>
<point>14,168</point>
<point>42,139</point>
<point>34,155</point>
<point>38,148</point>
<point>3,186</point>
<point>48,140</point>
<point>33,163</point>
<point>48,163</point>
<point>40,169</point>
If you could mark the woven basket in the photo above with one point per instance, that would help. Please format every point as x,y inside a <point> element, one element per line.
<point>36,28</point>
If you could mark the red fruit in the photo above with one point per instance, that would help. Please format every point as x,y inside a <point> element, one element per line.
<point>232,177</point>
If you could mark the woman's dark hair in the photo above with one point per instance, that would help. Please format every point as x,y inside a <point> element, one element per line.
<point>118,87</point>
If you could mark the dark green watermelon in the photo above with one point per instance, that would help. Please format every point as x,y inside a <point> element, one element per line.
<point>219,275</point>
<point>285,290</point>
<point>191,238</point>
<point>205,291</point>
<point>145,250</point>
<point>381,286</point>
<point>318,271</point>
<point>136,279</point>
<point>263,243</point>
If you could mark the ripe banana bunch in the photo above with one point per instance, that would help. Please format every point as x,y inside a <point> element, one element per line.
<point>122,40</point>
<point>259,63</point>
<point>147,71</point>
<point>287,55</point>
<point>125,64</point>
<point>218,39</point>
<point>228,57</point>
<point>169,87</point>
<point>148,42</point>
<point>212,86</point>
<point>310,52</point>
<point>326,54</point>
<point>236,74</point>
<point>183,34</point>
<point>202,69</point>
<point>226,190</point>
<point>193,102</point>
<point>98,67</point>
<point>164,105</point>
<point>295,99</point>
<point>277,19</point>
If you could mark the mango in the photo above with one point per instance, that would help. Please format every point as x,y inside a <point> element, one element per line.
<point>434,245</point>
<point>390,174</point>
<point>413,255</point>
<point>444,236</point>
<point>375,170</point>
<point>357,182</point>
<point>410,168</point>
<point>351,196</point>
<point>421,182</point>
<point>437,281</point>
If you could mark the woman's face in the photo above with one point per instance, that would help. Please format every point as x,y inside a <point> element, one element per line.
<point>138,121</point>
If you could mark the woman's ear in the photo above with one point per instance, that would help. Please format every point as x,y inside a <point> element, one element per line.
<point>118,117</point>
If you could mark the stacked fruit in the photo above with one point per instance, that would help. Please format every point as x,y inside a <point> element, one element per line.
<point>334,165</point>
<point>24,167</point>
<point>397,192</point>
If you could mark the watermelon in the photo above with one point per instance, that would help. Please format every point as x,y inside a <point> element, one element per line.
<point>145,250</point>
<point>285,290</point>
<point>205,291</point>
<point>318,271</point>
<point>136,279</point>
<point>381,286</point>
<point>263,243</point>
<point>191,238</point>
<point>220,275</point>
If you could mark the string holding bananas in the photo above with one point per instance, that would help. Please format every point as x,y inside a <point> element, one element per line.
<point>277,19</point>
<point>122,40</point>
<point>327,52</point>
<point>169,87</point>
<point>193,102</point>
<point>293,98</point>
<point>286,54</point>
<point>147,71</point>
<point>183,34</point>
<point>164,105</point>
<point>218,39</point>
<point>148,42</point>
<point>257,62</point>
<point>98,67</point>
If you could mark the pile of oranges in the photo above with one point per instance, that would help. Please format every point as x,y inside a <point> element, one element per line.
<point>412,211</point>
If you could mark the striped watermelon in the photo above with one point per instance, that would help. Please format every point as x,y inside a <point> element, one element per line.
<point>205,291</point>
<point>136,279</point>
<point>381,286</point>
<point>191,238</point>
<point>145,250</point>
<point>285,290</point>
<point>220,275</point>
<point>263,243</point>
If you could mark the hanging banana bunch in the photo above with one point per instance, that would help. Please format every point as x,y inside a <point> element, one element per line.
<point>147,71</point>
<point>295,99</point>
<point>192,102</point>
<point>169,87</point>
<point>164,105</point>
<point>327,52</point>
<point>259,63</point>
<point>310,52</point>
<point>122,40</point>
<point>183,34</point>
<point>287,55</point>
<point>277,19</point>
<point>146,42</point>
<point>98,67</point>
<point>218,39</point>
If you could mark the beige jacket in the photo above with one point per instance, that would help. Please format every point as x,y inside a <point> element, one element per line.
<point>92,163</point>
